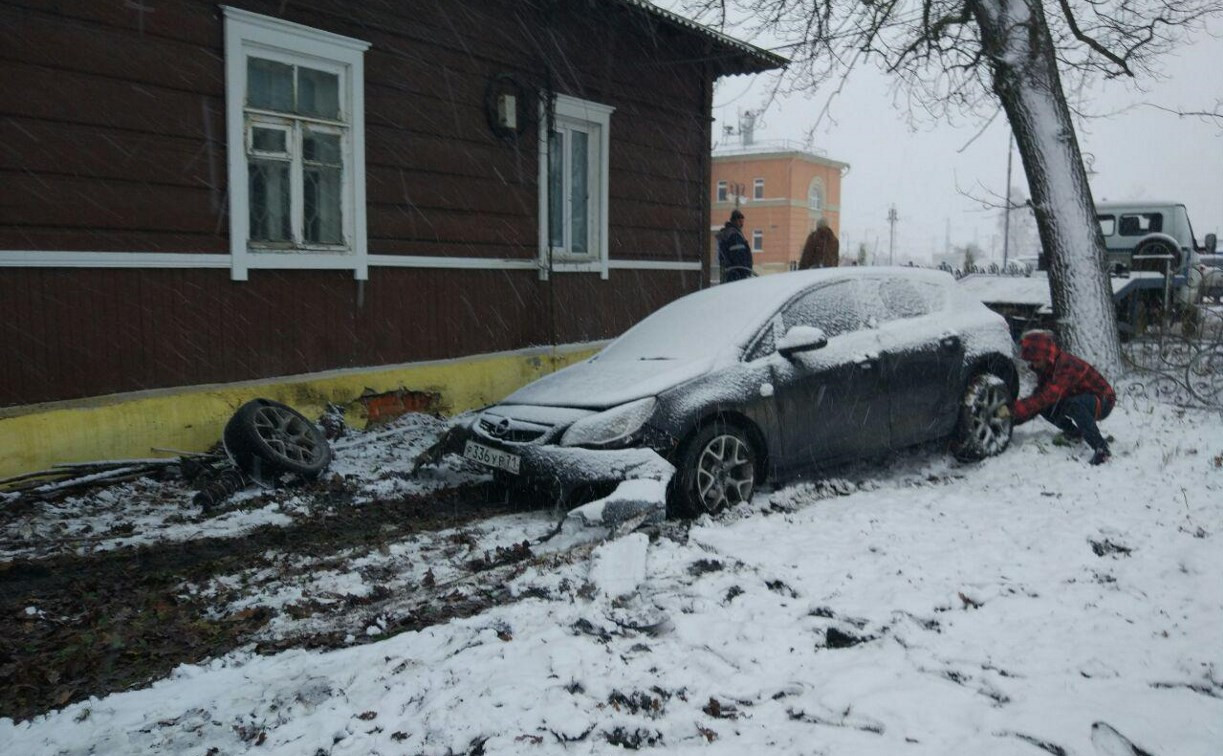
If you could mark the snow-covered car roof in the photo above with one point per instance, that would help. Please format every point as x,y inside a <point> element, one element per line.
<point>726,316</point>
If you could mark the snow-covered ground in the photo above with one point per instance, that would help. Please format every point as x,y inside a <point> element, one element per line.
<point>1028,604</point>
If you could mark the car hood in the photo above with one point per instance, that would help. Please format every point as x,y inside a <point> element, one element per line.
<point>600,383</point>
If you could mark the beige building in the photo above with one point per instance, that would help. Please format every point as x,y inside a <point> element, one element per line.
<point>782,190</point>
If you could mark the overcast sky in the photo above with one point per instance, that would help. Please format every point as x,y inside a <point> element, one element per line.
<point>926,171</point>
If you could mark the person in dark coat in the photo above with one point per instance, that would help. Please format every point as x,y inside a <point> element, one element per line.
<point>822,249</point>
<point>1070,393</point>
<point>734,255</point>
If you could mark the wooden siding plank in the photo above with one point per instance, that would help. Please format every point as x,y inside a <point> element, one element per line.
<point>70,202</point>
<point>71,97</point>
<point>66,44</point>
<point>36,146</point>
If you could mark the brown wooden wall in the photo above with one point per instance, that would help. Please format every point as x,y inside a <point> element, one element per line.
<point>112,138</point>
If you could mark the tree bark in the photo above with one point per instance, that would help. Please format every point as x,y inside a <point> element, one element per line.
<point>1015,38</point>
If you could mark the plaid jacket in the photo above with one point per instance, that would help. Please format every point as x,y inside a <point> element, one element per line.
<point>1064,376</point>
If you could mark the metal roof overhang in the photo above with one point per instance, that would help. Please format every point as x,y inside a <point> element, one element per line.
<point>730,56</point>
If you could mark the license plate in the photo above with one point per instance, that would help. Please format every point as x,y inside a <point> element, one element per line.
<point>486,455</point>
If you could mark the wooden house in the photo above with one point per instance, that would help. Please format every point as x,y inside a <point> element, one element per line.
<point>195,192</point>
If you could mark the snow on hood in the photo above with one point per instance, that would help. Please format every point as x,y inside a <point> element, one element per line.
<point>598,384</point>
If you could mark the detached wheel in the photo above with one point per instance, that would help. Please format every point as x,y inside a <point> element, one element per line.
<point>266,438</point>
<point>980,433</point>
<point>716,470</point>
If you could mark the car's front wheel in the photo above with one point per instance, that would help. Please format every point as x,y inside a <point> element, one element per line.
<point>981,431</point>
<point>716,470</point>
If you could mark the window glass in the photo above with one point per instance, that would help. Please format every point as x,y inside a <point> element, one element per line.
<point>579,191</point>
<point>318,93</point>
<point>765,342</point>
<point>815,197</point>
<point>757,240</point>
<point>1140,224</point>
<point>270,140</point>
<point>910,299</point>
<point>758,190</point>
<point>834,308</point>
<point>269,85</point>
<point>1108,224</point>
<point>322,176</point>
<point>721,191</point>
<point>269,201</point>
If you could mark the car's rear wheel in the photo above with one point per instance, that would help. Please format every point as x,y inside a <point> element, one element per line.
<point>981,432</point>
<point>716,470</point>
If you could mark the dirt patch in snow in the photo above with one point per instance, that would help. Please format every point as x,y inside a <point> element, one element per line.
<point>73,625</point>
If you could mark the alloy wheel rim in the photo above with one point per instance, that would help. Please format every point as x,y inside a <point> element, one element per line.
<point>725,473</point>
<point>990,431</point>
<point>287,435</point>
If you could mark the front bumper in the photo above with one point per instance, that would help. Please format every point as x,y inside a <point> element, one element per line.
<point>540,459</point>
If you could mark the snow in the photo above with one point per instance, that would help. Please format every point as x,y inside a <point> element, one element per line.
<point>922,606</point>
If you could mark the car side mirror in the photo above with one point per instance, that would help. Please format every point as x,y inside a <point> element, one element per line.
<point>801,339</point>
<point>1211,242</point>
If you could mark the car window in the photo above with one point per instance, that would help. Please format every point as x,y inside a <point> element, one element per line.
<point>1140,224</point>
<point>1108,224</point>
<point>910,299</point>
<point>836,308</point>
<point>765,342</point>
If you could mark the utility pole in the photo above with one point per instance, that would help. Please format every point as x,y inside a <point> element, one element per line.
<point>892,235</point>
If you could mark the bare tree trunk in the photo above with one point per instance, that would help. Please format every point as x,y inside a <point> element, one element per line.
<point>1015,37</point>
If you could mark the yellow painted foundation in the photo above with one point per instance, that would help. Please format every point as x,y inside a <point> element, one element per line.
<point>131,426</point>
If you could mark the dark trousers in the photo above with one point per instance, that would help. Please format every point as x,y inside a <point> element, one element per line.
<point>1076,415</point>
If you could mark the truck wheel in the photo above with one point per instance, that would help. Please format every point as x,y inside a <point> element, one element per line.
<point>1157,245</point>
<point>266,438</point>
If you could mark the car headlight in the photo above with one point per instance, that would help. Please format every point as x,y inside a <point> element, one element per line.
<point>607,428</point>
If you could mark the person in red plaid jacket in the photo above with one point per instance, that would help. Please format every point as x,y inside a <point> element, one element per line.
<point>1069,393</point>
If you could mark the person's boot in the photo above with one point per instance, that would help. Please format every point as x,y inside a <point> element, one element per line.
<point>1101,456</point>
<point>1070,435</point>
<point>1067,438</point>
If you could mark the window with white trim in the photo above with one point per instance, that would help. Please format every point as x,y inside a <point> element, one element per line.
<point>573,171</point>
<point>757,240</point>
<point>296,130</point>
<point>815,195</point>
<point>722,191</point>
<point>758,189</point>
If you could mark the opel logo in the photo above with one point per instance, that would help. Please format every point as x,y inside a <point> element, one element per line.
<point>500,429</point>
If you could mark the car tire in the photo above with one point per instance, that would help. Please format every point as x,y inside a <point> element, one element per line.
<point>980,432</point>
<point>266,438</point>
<point>1157,245</point>
<point>716,469</point>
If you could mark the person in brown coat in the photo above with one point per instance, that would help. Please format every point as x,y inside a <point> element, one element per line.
<point>822,249</point>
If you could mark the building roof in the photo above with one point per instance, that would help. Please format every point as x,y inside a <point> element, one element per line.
<point>769,149</point>
<point>732,56</point>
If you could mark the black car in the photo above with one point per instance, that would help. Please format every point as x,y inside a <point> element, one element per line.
<point>768,378</point>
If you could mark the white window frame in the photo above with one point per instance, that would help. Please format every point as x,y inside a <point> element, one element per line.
<point>723,191</point>
<point>250,34</point>
<point>816,187</point>
<point>758,189</point>
<point>757,240</point>
<point>593,118</point>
